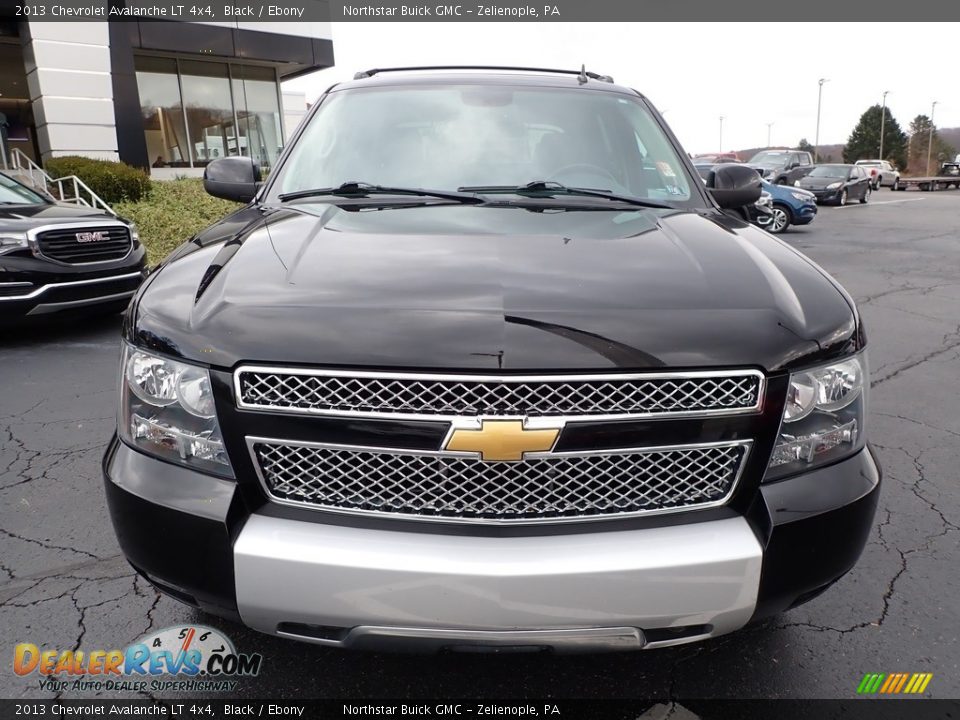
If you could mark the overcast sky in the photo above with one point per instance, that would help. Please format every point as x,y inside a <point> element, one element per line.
<point>751,73</point>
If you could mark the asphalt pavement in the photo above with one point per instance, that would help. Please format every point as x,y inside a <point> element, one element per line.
<point>63,583</point>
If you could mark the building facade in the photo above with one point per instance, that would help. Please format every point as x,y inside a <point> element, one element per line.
<point>164,95</point>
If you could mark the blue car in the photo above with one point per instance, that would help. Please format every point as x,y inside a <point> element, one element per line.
<point>791,206</point>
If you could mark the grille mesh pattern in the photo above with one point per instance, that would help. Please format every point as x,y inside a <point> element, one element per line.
<point>62,244</point>
<point>542,488</point>
<point>424,396</point>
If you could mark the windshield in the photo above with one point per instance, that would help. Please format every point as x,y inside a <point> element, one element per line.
<point>13,193</point>
<point>451,136</point>
<point>832,171</point>
<point>769,158</point>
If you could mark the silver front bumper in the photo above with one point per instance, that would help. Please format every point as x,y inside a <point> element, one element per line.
<point>581,591</point>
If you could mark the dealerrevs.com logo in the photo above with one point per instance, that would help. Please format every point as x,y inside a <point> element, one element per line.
<point>182,658</point>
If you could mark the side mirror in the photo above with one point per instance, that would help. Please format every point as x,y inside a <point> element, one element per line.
<point>232,178</point>
<point>734,186</point>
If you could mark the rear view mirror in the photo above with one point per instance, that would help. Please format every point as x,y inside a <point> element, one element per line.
<point>232,178</point>
<point>734,186</point>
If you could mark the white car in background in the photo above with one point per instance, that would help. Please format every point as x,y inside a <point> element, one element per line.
<point>881,172</point>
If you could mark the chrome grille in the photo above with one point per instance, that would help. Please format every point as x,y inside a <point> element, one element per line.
<point>112,243</point>
<point>544,488</point>
<point>610,395</point>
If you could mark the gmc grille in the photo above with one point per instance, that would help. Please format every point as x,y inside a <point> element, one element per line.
<point>63,244</point>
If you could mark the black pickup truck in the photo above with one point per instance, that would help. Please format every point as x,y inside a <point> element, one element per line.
<point>484,365</point>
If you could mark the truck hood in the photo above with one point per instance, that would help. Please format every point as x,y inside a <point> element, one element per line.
<point>486,288</point>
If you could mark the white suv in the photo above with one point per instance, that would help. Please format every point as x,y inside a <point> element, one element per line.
<point>881,172</point>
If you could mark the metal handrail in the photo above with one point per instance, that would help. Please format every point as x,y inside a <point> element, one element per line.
<point>40,178</point>
<point>78,199</point>
<point>21,162</point>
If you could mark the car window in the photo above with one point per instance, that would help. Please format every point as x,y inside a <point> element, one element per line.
<point>450,136</point>
<point>13,193</point>
<point>831,171</point>
<point>770,157</point>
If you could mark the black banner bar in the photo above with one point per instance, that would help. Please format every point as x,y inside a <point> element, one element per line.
<point>199,709</point>
<point>532,11</point>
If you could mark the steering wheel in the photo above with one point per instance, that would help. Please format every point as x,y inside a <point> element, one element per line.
<point>594,169</point>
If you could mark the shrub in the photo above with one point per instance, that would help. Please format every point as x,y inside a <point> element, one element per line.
<point>112,181</point>
<point>175,211</point>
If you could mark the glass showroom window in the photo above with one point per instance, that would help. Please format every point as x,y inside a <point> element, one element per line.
<point>258,112</point>
<point>209,111</point>
<point>163,122</point>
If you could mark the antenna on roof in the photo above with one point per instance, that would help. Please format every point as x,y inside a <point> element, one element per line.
<point>582,77</point>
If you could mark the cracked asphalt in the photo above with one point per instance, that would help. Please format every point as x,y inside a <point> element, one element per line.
<point>63,583</point>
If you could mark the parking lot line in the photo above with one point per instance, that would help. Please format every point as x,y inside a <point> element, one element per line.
<point>880,202</point>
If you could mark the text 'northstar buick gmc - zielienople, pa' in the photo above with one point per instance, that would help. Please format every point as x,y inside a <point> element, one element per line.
<point>484,364</point>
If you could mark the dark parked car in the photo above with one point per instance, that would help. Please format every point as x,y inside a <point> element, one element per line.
<point>782,167</point>
<point>57,257</point>
<point>838,184</point>
<point>483,364</point>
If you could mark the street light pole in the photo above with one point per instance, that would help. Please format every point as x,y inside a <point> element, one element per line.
<point>816,139</point>
<point>883,117</point>
<point>720,149</point>
<point>930,143</point>
<point>769,125</point>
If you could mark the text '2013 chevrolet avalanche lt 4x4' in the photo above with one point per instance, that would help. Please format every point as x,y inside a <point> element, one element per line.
<point>484,364</point>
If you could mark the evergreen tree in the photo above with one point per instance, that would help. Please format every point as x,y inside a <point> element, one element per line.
<point>864,141</point>
<point>919,144</point>
<point>805,145</point>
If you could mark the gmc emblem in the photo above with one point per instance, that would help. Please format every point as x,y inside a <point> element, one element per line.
<point>95,236</point>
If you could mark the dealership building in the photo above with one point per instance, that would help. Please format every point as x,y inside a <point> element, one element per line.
<point>164,95</point>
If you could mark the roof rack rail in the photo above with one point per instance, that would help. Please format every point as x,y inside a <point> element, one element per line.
<point>582,75</point>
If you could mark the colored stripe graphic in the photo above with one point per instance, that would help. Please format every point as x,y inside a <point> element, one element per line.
<point>903,680</point>
<point>894,683</point>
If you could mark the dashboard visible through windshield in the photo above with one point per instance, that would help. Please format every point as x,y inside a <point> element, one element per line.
<point>456,136</point>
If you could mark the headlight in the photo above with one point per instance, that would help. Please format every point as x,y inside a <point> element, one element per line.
<point>834,186</point>
<point>134,234</point>
<point>802,197</point>
<point>167,410</point>
<point>796,183</point>
<point>12,241</point>
<point>822,418</point>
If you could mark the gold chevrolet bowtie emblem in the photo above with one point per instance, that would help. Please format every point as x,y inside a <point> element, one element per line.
<point>498,440</point>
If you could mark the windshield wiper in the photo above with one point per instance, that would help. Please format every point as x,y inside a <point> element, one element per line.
<point>548,188</point>
<point>362,189</point>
